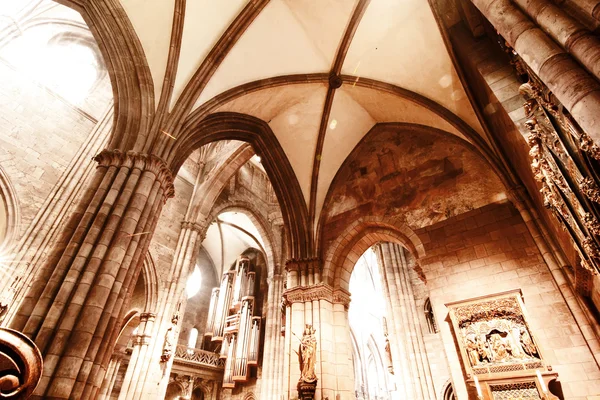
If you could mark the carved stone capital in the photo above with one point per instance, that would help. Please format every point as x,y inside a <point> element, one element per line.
<point>147,316</point>
<point>321,291</point>
<point>143,162</point>
<point>304,264</point>
<point>193,226</point>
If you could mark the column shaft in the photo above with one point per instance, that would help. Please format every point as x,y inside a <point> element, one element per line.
<point>564,29</point>
<point>574,87</point>
<point>69,307</point>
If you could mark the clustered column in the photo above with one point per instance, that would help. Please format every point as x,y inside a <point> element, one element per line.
<point>111,376</point>
<point>553,62</point>
<point>272,371</point>
<point>74,307</point>
<point>151,380</point>
<point>141,350</point>
<point>29,251</point>
<point>409,353</point>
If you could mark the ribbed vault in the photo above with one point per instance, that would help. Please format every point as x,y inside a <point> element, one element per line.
<point>319,74</point>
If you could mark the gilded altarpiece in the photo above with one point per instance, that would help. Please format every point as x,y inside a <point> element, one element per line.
<point>500,355</point>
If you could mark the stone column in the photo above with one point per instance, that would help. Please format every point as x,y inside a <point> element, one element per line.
<point>152,378</point>
<point>414,364</point>
<point>32,246</point>
<point>582,44</point>
<point>273,346</point>
<point>73,306</point>
<point>589,7</point>
<point>141,343</point>
<point>574,87</point>
<point>110,377</point>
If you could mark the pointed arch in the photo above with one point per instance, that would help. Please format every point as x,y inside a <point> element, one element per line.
<point>235,126</point>
<point>130,76</point>
<point>357,238</point>
<point>259,222</point>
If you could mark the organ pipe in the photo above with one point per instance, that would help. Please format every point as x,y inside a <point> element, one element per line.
<point>212,310</point>
<point>231,321</point>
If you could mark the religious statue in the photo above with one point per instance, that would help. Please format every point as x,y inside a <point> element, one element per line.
<point>307,354</point>
<point>527,344</point>
<point>170,339</point>
<point>472,350</point>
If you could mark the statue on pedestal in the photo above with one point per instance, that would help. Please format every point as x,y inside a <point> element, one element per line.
<point>307,383</point>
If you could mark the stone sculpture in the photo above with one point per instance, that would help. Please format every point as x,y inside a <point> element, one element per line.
<point>307,384</point>
<point>308,350</point>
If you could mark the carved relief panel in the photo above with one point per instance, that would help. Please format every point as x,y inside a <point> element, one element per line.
<point>497,347</point>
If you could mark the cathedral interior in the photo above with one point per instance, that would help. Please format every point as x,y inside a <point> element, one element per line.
<point>300,199</point>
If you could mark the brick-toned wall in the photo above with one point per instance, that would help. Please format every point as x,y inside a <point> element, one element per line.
<point>487,251</point>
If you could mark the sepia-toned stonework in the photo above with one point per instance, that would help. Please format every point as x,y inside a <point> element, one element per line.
<point>333,200</point>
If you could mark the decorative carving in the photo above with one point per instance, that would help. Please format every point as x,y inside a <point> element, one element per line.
<point>591,223</point>
<point>307,383</point>
<point>144,162</point>
<point>494,335</point>
<point>170,339</point>
<point>303,294</point>
<point>307,354</point>
<point>20,365</point>
<point>554,166</point>
<point>590,189</point>
<point>591,248</point>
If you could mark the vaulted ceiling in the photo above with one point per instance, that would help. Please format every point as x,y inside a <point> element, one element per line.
<point>320,73</point>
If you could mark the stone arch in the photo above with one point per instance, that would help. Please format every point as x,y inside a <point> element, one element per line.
<point>174,390</point>
<point>250,396</point>
<point>130,76</point>
<point>261,225</point>
<point>358,237</point>
<point>9,201</point>
<point>235,126</point>
<point>215,185</point>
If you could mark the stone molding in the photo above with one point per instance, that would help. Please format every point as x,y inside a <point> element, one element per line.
<point>302,264</point>
<point>143,162</point>
<point>193,226</point>
<point>147,316</point>
<point>321,291</point>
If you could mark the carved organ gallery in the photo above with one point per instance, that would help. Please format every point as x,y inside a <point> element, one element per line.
<point>299,199</point>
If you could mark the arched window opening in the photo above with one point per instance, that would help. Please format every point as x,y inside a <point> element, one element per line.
<point>431,325</point>
<point>197,394</point>
<point>366,316</point>
<point>449,392</point>
<point>69,63</point>
<point>192,340</point>
<point>194,283</point>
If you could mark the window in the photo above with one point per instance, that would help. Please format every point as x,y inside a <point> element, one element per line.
<point>431,325</point>
<point>194,283</point>
<point>449,392</point>
<point>193,338</point>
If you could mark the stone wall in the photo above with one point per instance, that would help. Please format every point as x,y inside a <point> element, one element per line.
<point>487,251</point>
<point>39,135</point>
